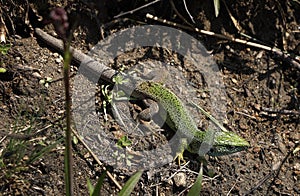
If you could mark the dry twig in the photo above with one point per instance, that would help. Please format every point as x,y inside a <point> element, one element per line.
<point>284,55</point>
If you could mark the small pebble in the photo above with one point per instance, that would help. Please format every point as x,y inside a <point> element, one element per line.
<point>170,182</point>
<point>204,95</point>
<point>257,107</point>
<point>180,179</point>
<point>297,172</point>
<point>25,158</point>
<point>278,182</point>
<point>243,125</point>
<point>256,149</point>
<point>234,80</point>
<point>297,166</point>
<point>58,60</point>
<point>36,74</point>
<point>55,54</point>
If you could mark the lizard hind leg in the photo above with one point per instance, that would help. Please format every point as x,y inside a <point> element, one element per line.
<point>183,144</point>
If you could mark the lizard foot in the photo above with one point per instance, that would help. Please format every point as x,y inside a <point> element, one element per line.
<point>180,159</point>
<point>181,148</point>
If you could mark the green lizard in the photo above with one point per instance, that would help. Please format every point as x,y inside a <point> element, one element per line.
<point>224,142</point>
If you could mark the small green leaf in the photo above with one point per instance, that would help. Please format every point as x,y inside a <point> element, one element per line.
<point>90,187</point>
<point>36,155</point>
<point>75,140</point>
<point>119,79</point>
<point>46,81</point>
<point>99,184</point>
<point>95,191</point>
<point>2,70</point>
<point>120,94</point>
<point>130,184</point>
<point>217,7</point>
<point>297,149</point>
<point>2,164</point>
<point>42,81</point>
<point>128,162</point>
<point>124,141</point>
<point>49,79</point>
<point>4,49</point>
<point>197,186</point>
<point>211,173</point>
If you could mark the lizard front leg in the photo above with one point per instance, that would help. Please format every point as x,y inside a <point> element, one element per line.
<point>183,145</point>
<point>150,111</point>
<point>147,115</point>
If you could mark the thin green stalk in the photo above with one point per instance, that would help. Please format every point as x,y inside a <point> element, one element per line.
<point>68,150</point>
<point>59,18</point>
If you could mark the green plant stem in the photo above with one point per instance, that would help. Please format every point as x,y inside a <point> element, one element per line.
<point>68,150</point>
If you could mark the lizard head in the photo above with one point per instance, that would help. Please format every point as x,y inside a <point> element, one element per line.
<point>227,143</point>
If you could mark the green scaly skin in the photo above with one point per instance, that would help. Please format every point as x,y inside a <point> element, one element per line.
<point>224,142</point>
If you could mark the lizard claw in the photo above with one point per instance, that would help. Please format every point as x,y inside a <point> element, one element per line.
<point>179,154</point>
<point>179,157</point>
